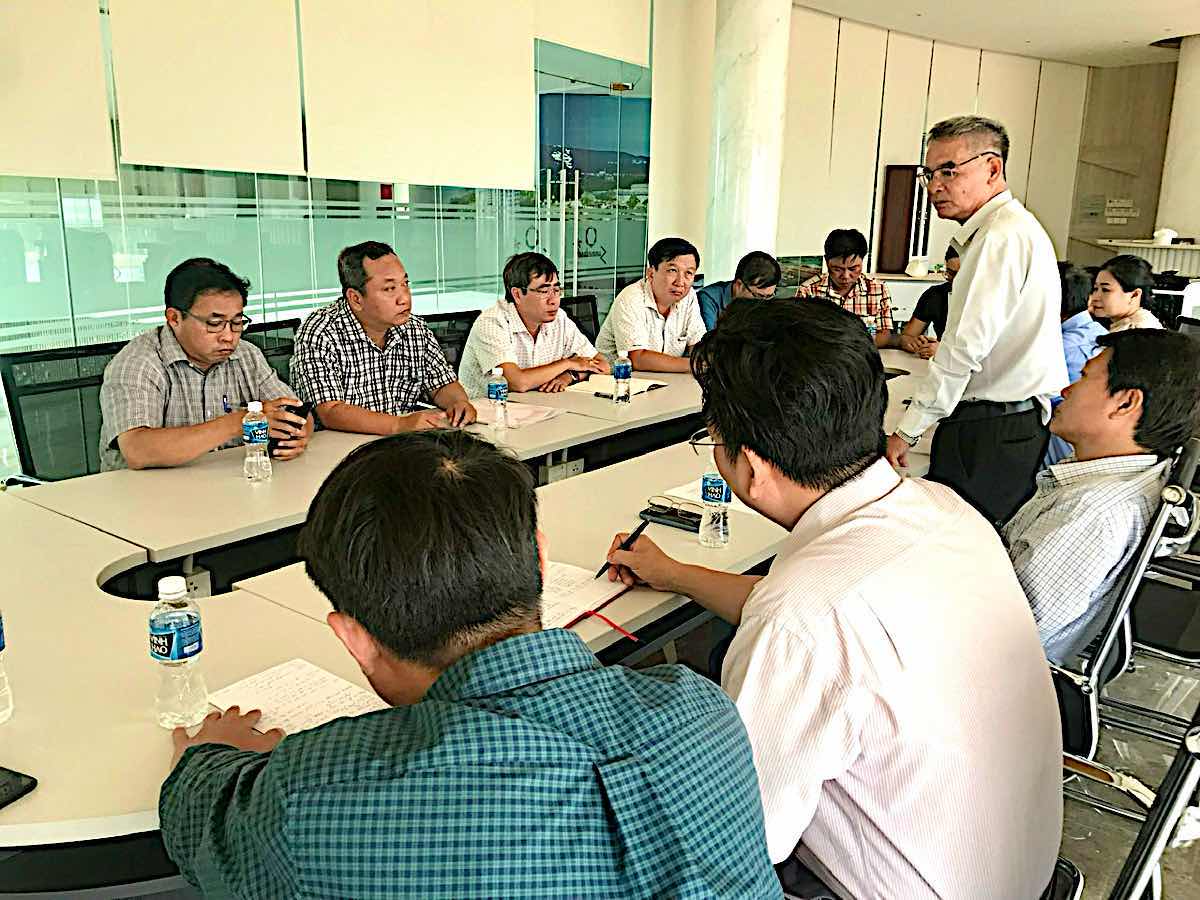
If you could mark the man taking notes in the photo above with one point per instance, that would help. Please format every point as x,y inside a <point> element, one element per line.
<point>879,760</point>
<point>367,362</point>
<point>657,320</point>
<point>756,277</point>
<point>511,764</point>
<point>179,390</point>
<point>528,335</point>
<point>1001,358</point>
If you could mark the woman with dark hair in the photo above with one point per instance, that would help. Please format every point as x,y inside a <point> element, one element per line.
<point>1122,291</point>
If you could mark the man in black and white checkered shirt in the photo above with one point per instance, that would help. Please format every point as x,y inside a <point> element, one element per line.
<point>1136,402</point>
<point>369,364</point>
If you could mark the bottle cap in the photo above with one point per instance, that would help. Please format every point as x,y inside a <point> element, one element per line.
<point>624,354</point>
<point>497,371</point>
<point>172,586</point>
<point>254,406</point>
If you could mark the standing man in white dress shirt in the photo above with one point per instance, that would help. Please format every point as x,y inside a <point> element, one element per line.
<point>528,335</point>
<point>905,731</point>
<point>1001,359</point>
<point>657,320</point>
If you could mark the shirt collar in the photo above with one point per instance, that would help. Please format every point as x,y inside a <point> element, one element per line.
<point>514,663</point>
<point>966,231</point>
<point>171,352</point>
<point>1078,322</point>
<point>875,482</point>
<point>350,323</point>
<point>513,318</point>
<point>826,284</point>
<point>1070,471</point>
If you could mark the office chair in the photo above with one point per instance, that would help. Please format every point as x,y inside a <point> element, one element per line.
<point>452,330</point>
<point>277,341</point>
<point>582,309</point>
<point>54,400</point>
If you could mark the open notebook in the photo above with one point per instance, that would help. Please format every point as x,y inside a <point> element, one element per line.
<point>296,696</point>
<point>518,414</point>
<point>603,384</point>
<point>569,593</point>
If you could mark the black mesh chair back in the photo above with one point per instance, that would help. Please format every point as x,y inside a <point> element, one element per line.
<point>1188,325</point>
<point>54,401</point>
<point>583,310</point>
<point>451,330</point>
<point>277,341</point>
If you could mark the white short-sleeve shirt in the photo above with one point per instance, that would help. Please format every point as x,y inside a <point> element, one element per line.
<point>499,336</point>
<point>634,323</point>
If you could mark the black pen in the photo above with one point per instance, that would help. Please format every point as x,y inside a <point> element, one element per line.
<point>626,544</point>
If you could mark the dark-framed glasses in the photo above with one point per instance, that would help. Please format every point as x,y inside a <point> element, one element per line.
<point>950,170</point>
<point>703,439</point>
<point>667,503</point>
<point>215,326</point>
<point>547,291</point>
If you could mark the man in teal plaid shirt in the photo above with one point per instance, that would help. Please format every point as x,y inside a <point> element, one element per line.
<point>511,763</point>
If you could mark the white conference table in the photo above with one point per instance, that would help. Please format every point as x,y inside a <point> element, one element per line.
<point>681,397</point>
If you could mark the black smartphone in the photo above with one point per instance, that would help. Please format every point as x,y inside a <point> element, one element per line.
<point>672,516</point>
<point>14,785</point>
<point>302,411</point>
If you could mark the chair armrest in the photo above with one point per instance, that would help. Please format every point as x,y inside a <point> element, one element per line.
<point>1102,774</point>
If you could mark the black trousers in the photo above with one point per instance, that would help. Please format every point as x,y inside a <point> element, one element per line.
<point>989,457</point>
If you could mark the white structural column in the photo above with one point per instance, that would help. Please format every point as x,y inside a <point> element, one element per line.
<point>750,70</point>
<point>1179,199</point>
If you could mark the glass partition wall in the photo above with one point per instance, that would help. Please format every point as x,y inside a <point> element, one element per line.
<point>83,262</point>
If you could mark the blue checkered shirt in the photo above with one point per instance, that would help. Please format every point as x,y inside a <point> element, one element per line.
<point>335,360</point>
<point>527,771</point>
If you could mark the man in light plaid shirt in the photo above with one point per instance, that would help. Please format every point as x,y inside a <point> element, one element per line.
<point>845,284</point>
<point>1136,402</point>
<point>367,363</point>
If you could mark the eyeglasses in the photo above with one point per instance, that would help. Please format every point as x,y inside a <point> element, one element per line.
<point>758,293</point>
<point>546,291</point>
<point>702,439</point>
<point>950,170</point>
<point>215,326</point>
<point>667,503</point>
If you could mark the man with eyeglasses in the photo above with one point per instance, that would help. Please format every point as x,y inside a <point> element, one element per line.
<point>756,277</point>
<point>180,390</point>
<point>528,335</point>
<point>1001,358</point>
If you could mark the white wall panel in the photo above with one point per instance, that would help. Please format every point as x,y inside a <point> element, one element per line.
<point>1058,124</point>
<point>953,91</point>
<point>804,192</point>
<point>905,93</point>
<point>616,28</point>
<point>214,85</point>
<point>420,91</point>
<point>1008,88</point>
<point>52,97</point>
<point>858,95</point>
<point>681,120</point>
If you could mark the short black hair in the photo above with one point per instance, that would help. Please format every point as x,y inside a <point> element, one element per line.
<point>758,269</point>
<point>350,263</point>
<point>429,540</point>
<point>201,275</point>
<point>521,269</point>
<point>1076,288</point>
<point>800,384</point>
<point>843,242</point>
<point>667,249</point>
<point>1132,272</point>
<point>1165,367</point>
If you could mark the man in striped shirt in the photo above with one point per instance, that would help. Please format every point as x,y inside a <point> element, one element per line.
<point>1133,406</point>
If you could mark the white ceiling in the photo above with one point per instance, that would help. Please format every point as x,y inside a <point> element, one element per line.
<point>1088,32</point>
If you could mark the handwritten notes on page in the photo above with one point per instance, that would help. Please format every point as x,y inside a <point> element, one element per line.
<point>603,384</point>
<point>296,696</point>
<point>568,592</point>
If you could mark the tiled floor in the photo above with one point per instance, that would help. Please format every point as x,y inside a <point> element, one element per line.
<point>1098,842</point>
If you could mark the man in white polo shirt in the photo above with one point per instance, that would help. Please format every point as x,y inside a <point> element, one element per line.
<point>1001,357</point>
<point>527,335</point>
<point>657,320</point>
<point>905,731</point>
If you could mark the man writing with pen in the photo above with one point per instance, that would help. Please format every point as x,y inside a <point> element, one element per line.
<point>180,390</point>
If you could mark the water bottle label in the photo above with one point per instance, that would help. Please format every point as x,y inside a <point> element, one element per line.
<point>175,640</point>
<point>1,633</point>
<point>713,489</point>
<point>255,432</point>
<point>497,392</point>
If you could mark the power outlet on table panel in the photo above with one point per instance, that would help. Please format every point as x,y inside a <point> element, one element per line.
<point>559,471</point>
<point>199,583</point>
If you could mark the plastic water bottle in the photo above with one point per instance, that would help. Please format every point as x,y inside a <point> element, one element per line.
<point>622,372</point>
<point>497,393</point>
<point>714,521</point>
<point>6,700</point>
<point>175,643</point>
<point>254,435</point>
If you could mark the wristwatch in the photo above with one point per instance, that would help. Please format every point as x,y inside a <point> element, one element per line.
<point>908,438</point>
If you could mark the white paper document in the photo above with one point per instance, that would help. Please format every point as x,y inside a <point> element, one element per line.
<point>691,492</point>
<point>518,414</point>
<point>569,592</point>
<point>603,384</point>
<point>296,696</point>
